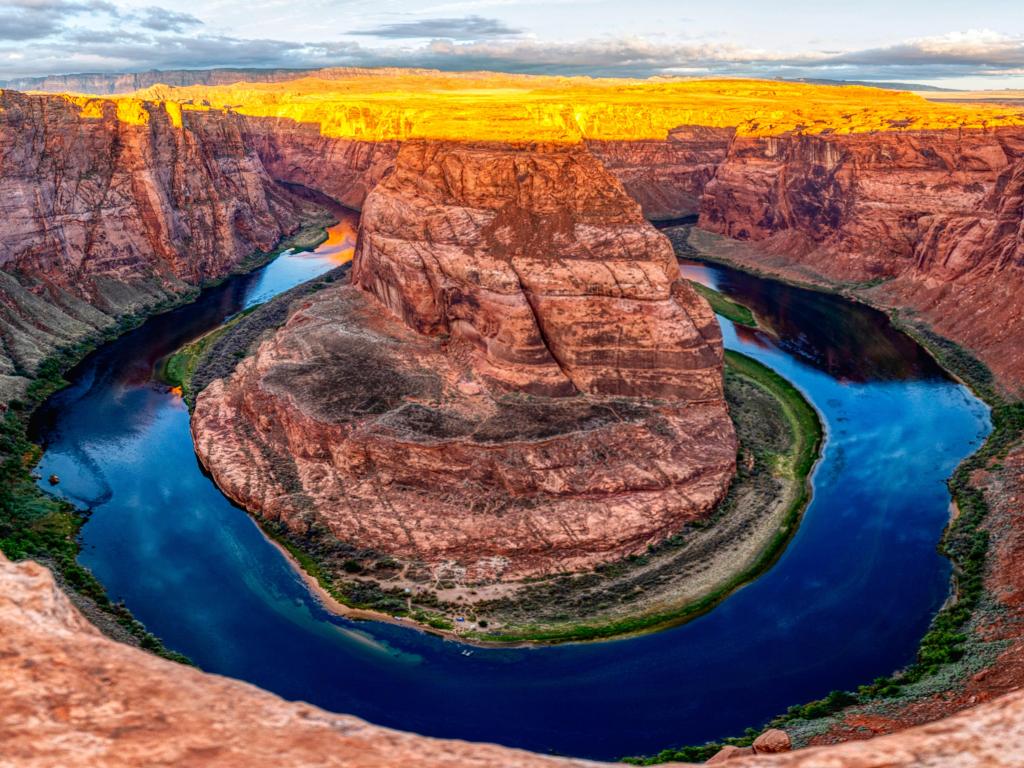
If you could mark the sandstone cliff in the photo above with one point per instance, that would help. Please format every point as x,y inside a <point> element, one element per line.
<point>505,272</point>
<point>933,217</point>
<point>109,207</point>
<point>806,169</point>
<point>536,257</point>
<point>667,177</point>
<point>298,153</point>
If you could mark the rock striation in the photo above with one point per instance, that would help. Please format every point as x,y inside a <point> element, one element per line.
<point>667,177</point>
<point>541,393</point>
<point>934,218</point>
<point>298,153</point>
<point>537,258</point>
<point>112,205</point>
<point>107,207</point>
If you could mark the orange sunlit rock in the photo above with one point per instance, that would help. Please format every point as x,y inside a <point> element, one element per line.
<point>380,105</point>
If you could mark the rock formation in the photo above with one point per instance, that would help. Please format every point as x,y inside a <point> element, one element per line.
<point>111,205</point>
<point>536,257</point>
<point>550,399</point>
<point>298,153</point>
<point>71,697</point>
<point>806,170</point>
<point>667,176</point>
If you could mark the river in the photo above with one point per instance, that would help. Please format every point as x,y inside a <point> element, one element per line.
<point>847,602</point>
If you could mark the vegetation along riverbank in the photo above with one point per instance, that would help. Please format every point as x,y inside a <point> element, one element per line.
<point>971,638</point>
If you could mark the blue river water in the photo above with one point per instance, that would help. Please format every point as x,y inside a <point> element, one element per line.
<point>847,601</point>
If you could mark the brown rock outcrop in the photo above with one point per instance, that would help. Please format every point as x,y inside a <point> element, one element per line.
<point>349,420</point>
<point>512,272</point>
<point>343,169</point>
<point>667,177</point>
<point>536,257</point>
<point>71,697</point>
<point>771,742</point>
<point>91,195</point>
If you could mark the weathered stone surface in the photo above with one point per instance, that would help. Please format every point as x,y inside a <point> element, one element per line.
<point>299,153</point>
<point>107,208</point>
<point>536,257</point>
<point>71,697</point>
<point>729,754</point>
<point>513,271</point>
<point>772,742</point>
<point>97,190</point>
<point>667,177</point>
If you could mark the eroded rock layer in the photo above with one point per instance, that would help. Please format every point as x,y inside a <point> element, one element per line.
<point>667,177</point>
<point>108,207</point>
<point>298,153</point>
<point>522,386</point>
<point>536,257</point>
<point>71,697</point>
<point>348,419</point>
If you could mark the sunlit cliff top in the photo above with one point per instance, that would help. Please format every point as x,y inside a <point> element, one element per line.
<point>396,104</point>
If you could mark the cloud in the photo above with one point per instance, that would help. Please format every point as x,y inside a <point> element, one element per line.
<point>22,20</point>
<point>465,28</point>
<point>163,20</point>
<point>974,53</point>
<point>156,38</point>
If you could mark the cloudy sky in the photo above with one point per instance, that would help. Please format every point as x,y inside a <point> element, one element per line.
<point>953,43</point>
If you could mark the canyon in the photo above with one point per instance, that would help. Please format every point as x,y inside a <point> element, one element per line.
<point>818,175</point>
<point>112,211</point>
<point>490,285</point>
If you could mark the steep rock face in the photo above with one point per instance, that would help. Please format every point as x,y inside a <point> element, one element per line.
<point>667,177</point>
<point>92,196</point>
<point>933,216</point>
<point>108,207</point>
<point>538,258</point>
<point>299,153</point>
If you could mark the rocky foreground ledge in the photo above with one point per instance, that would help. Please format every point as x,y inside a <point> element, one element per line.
<point>71,697</point>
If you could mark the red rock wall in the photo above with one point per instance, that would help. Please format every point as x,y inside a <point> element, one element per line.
<point>101,217</point>
<point>298,154</point>
<point>538,258</point>
<point>87,198</point>
<point>667,177</point>
<point>936,217</point>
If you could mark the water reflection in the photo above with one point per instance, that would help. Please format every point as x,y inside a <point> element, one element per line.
<point>850,342</point>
